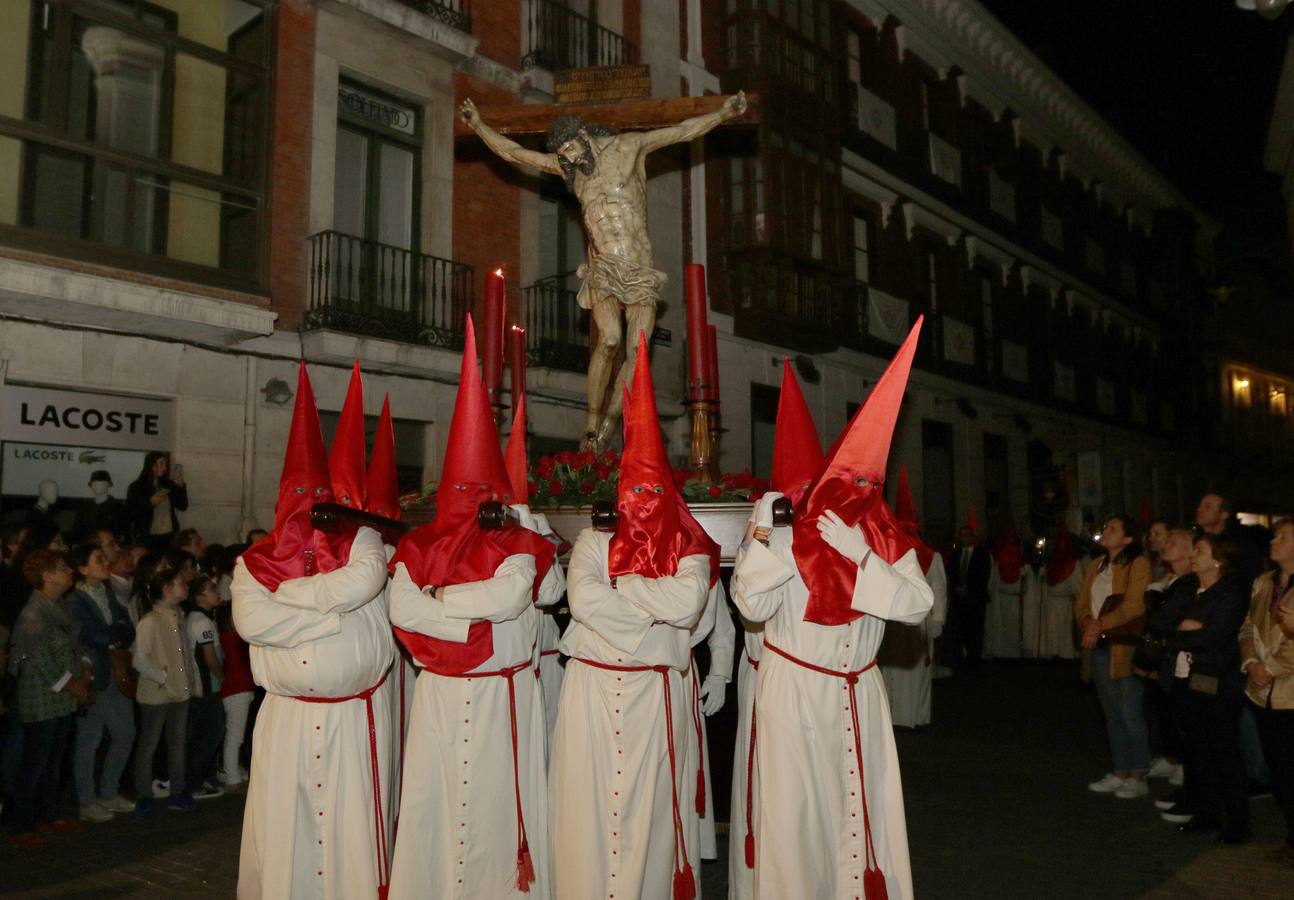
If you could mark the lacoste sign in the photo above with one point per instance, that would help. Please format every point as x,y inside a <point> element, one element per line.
<point>46,416</point>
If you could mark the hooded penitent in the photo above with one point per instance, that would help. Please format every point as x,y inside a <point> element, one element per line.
<point>454,549</point>
<point>655,528</point>
<point>797,452</point>
<point>905,513</point>
<point>295,548</point>
<point>1007,554</point>
<point>515,458</point>
<point>383,483</point>
<point>1062,562</point>
<point>851,485</point>
<point>346,462</point>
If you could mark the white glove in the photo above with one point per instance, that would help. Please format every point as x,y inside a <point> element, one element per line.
<point>541,524</point>
<point>524,516</point>
<point>714,690</point>
<point>762,515</point>
<point>847,540</point>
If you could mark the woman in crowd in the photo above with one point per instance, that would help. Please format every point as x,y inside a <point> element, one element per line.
<point>1107,607</point>
<point>206,712</point>
<point>154,498</point>
<point>103,626</point>
<point>1267,651</point>
<point>166,683</point>
<point>1208,689</point>
<point>52,682</point>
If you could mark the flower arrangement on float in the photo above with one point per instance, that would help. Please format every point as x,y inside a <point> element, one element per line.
<point>574,478</point>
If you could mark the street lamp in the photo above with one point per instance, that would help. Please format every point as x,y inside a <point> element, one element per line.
<point>1268,9</point>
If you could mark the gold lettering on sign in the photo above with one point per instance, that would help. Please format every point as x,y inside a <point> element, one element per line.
<point>602,83</point>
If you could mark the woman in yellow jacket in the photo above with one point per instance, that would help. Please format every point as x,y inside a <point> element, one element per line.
<point>1108,608</point>
<point>1267,651</point>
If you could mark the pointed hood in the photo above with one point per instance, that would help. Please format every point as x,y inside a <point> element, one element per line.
<point>655,528</point>
<point>295,548</point>
<point>1061,563</point>
<point>1007,552</point>
<point>905,514</point>
<point>851,485</point>
<point>797,452</point>
<point>346,463</point>
<point>383,482</point>
<point>453,548</point>
<point>515,459</point>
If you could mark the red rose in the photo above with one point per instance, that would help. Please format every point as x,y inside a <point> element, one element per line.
<point>609,458</point>
<point>532,489</point>
<point>602,472</point>
<point>586,487</point>
<point>715,491</point>
<point>588,458</point>
<point>545,466</point>
<point>555,488</point>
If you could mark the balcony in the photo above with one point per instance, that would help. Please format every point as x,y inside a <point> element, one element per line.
<point>377,290</point>
<point>782,299</point>
<point>560,38</point>
<point>557,330</point>
<point>454,13</point>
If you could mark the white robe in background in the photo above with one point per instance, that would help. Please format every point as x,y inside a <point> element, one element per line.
<point>716,628</point>
<point>741,878</point>
<point>610,773</point>
<point>1030,613</point>
<point>811,841</point>
<point>551,671</point>
<point>1058,615</point>
<point>1002,633</point>
<point>458,823</point>
<point>309,828</point>
<point>907,655</point>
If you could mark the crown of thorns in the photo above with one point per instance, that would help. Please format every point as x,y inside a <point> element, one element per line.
<point>565,128</point>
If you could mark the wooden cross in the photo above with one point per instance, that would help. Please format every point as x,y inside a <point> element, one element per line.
<point>621,115</point>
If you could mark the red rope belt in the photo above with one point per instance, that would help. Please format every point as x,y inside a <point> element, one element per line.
<point>525,863</point>
<point>379,822</point>
<point>542,654</point>
<point>873,878</point>
<point>700,739</point>
<point>684,881</point>
<point>750,781</point>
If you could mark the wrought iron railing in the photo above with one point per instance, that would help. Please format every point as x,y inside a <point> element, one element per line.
<point>454,13</point>
<point>557,330</point>
<point>365,287</point>
<point>557,37</point>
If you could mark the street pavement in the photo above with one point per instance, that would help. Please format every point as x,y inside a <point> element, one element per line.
<point>996,801</point>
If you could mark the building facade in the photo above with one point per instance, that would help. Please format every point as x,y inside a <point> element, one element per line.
<point>194,194</point>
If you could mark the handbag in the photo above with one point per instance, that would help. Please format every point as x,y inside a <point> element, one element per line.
<point>1148,653</point>
<point>124,675</point>
<point>1127,634</point>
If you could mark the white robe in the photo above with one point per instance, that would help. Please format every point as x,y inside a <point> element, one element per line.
<point>309,829</point>
<point>1058,615</point>
<point>610,772</point>
<point>1002,633</point>
<point>551,672</point>
<point>907,655</point>
<point>716,628</point>
<point>1030,613</point>
<point>741,879</point>
<point>458,824</point>
<point>811,840</point>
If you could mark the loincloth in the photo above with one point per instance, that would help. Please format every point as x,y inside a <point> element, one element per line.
<point>616,278</point>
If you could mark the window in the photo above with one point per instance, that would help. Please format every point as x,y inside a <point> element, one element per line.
<point>929,276</point>
<point>862,248</point>
<point>925,105</point>
<point>763,426</point>
<point>986,320</point>
<point>854,56</point>
<point>140,127</point>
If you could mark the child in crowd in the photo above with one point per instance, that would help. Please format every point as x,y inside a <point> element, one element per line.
<point>206,713</point>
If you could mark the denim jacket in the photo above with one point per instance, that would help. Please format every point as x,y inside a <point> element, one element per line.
<point>96,635</point>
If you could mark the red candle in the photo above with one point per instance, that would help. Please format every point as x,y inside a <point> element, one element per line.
<point>697,338</point>
<point>517,362</point>
<point>712,363</point>
<point>492,338</point>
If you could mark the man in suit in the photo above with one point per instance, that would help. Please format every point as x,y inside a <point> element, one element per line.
<point>968,577</point>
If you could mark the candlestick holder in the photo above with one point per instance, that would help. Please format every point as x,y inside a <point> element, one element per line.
<point>702,458</point>
<point>716,435</point>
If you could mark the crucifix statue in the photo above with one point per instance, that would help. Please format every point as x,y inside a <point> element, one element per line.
<point>607,173</point>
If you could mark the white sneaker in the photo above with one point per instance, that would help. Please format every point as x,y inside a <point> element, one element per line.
<point>161,788</point>
<point>1161,768</point>
<point>93,812</point>
<point>1178,776</point>
<point>1132,789</point>
<point>1107,785</point>
<point>117,804</point>
<point>239,778</point>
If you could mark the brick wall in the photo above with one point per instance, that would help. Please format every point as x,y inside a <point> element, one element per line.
<point>497,25</point>
<point>288,219</point>
<point>487,197</point>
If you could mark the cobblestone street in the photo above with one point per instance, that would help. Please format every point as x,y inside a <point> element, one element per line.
<point>997,807</point>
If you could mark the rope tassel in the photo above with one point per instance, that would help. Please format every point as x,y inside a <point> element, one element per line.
<point>685,884</point>
<point>525,868</point>
<point>750,851</point>
<point>700,792</point>
<point>874,885</point>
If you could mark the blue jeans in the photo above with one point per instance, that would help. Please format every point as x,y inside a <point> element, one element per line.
<point>116,713</point>
<point>1122,702</point>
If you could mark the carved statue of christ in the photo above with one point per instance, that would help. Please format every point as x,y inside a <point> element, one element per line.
<point>607,174</point>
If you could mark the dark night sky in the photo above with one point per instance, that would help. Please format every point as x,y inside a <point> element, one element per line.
<point>1190,83</point>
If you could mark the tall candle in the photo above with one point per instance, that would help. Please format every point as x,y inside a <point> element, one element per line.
<point>517,362</point>
<point>712,363</point>
<point>697,337</point>
<point>492,339</point>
